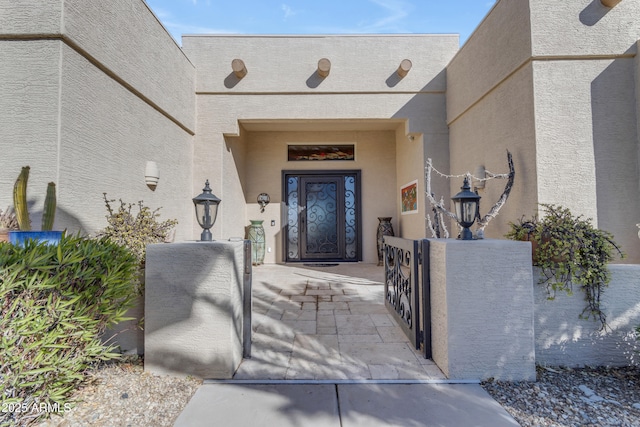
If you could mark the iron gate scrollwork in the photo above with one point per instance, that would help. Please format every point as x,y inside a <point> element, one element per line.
<point>407,288</point>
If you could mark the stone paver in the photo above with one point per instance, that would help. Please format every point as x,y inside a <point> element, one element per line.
<point>320,324</point>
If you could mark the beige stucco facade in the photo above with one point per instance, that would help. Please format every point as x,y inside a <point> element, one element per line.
<point>94,90</point>
<point>553,82</point>
<point>246,124</point>
<point>86,108</point>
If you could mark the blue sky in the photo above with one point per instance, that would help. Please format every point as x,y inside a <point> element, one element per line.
<point>320,16</point>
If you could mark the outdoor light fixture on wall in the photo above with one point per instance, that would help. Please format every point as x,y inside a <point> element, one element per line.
<point>206,205</point>
<point>151,175</point>
<point>466,203</point>
<point>481,173</point>
<point>263,200</point>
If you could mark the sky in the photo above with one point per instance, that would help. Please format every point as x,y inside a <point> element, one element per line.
<point>320,16</point>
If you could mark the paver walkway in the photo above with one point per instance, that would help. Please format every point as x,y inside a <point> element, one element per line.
<point>316,323</point>
<point>327,353</point>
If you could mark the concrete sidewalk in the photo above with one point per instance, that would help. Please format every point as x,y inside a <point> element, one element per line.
<point>343,405</point>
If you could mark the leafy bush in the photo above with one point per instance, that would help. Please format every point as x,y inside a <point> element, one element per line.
<point>135,232</point>
<point>55,303</point>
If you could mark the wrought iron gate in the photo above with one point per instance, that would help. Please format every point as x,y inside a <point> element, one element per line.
<point>407,290</point>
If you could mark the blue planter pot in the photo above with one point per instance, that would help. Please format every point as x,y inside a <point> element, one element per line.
<point>48,237</point>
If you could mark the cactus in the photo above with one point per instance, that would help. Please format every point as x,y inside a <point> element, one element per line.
<point>20,203</point>
<point>49,213</point>
<point>20,199</point>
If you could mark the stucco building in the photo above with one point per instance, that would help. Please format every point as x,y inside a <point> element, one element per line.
<point>93,90</point>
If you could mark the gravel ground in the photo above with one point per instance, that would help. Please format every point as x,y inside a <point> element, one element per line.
<point>123,395</point>
<point>573,397</point>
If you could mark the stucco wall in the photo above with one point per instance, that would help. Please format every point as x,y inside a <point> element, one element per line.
<point>502,121</point>
<point>563,339</point>
<point>586,137</point>
<point>558,92</point>
<point>410,158</point>
<point>500,44</point>
<point>586,119</point>
<point>21,17</point>
<point>194,304</point>
<point>125,37</point>
<point>482,315</point>
<point>490,109</point>
<point>29,82</point>
<point>104,147</point>
<point>267,158</point>
<point>582,27</point>
<point>88,125</point>
<point>282,84</point>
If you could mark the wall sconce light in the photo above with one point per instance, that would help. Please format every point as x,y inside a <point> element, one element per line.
<point>151,175</point>
<point>263,200</point>
<point>466,203</point>
<point>324,67</point>
<point>404,68</point>
<point>480,173</point>
<point>206,205</point>
<point>610,3</point>
<point>238,67</point>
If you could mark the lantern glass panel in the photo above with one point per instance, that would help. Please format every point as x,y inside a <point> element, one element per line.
<point>466,212</point>
<point>206,213</point>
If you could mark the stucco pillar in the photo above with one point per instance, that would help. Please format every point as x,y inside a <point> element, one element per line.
<point>194,308</point>
<point>482,309</point>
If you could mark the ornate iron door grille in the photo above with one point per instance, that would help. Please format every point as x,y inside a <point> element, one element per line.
<point>323,215</point>
<point>406,288</point>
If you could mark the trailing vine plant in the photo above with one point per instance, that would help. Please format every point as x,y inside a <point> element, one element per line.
<point>570,251</point>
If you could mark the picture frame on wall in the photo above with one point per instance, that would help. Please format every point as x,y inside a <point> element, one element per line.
<point>409,198</point>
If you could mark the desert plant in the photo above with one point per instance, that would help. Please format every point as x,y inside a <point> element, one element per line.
<point>20,203</point>
<point>56,302</point>
<point>568,251</point>
<point>8,219</point>
<point>135,230</point>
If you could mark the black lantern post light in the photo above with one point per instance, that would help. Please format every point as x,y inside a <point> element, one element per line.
<point>206,205</point>
<point>466,203</point>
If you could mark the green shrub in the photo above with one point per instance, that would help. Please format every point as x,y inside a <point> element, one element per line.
<point>569,251</point>
<point>55,303</point>
<point>135,232</point>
